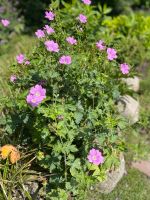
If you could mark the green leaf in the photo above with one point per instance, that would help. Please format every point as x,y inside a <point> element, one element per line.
<point>78,117</point>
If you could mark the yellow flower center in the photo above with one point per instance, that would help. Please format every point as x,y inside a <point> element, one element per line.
<point>37,94</point>
<point>33,100</point>
<point>94,157</point>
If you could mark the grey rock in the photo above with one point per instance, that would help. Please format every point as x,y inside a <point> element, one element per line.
<point>132,83</point>
<point>129,108</point>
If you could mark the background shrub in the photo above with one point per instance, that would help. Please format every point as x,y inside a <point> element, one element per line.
<point>32,11</point>
<point>8,11</point>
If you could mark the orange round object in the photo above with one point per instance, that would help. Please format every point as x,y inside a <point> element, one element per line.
<point>11,151</point>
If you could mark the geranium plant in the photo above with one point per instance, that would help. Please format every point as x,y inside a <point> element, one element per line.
<point>64,105</point>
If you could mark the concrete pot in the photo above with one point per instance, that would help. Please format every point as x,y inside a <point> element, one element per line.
<point>113,178</point>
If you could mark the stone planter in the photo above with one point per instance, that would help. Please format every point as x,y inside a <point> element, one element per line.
<point>129,108</point>
<point>112,178</point>
<point>132,83</point>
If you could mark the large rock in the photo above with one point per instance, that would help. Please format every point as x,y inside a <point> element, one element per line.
<point>112,178</point>
<point>133,83</point>
<point>129,108</point>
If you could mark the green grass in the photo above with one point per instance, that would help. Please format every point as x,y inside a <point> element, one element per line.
<point>138,137</point>
<point>8,52</point>
<point>133,186</point>
<point>145,101</point>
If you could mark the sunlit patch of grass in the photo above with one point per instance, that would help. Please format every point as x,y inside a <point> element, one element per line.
<point>18,44</point>
<point>145,104</point>
<point>134,186</point>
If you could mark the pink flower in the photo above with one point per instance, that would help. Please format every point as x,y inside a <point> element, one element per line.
<point>5,22</point>
<point>13,78</point>
<point>20,58</point>
<point>71,40</point>
<point>49,15</point>
<point>95,157</point>
<point>100,45</point>
<point>49,29</point>
<point>82,18</point>
<point>87,2</point>
<point>51,46</point>
<point>124,68</point>
<point>65,60</point>
<point>27,62</point>
<point>36,95</point>
<point>111,54</point>
<point>39,33</point>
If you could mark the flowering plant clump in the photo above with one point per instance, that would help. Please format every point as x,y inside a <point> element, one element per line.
<point>64,105</point>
